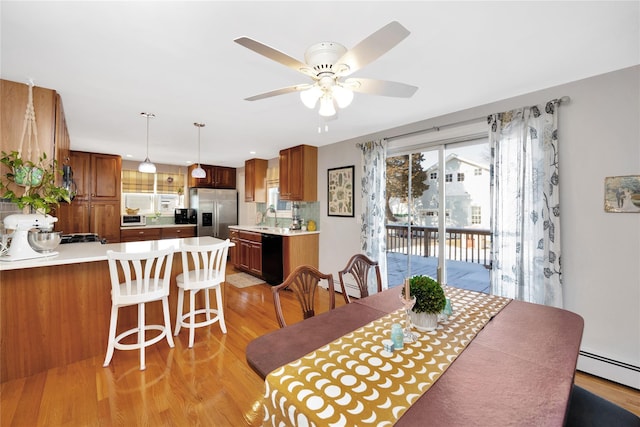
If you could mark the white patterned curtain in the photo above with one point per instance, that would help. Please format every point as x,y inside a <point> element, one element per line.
<point>373,232</point>
<point>526,205</point>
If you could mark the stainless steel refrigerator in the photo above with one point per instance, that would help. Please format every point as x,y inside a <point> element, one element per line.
<point>216,211</point>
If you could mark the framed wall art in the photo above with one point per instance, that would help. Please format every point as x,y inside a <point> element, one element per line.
<point>622,193</point>
<point>340,191</point>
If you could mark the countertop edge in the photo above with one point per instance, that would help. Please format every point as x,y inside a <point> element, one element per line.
<point>82,252</point>
<point>272,230</point>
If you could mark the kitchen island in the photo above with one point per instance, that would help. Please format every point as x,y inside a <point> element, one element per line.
<point>298,247</point>
<point>55,310</point>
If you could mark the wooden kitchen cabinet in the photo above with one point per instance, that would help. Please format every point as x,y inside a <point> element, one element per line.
<point>104,220</point>
<point>234,251</point>
<point>224,177</point>
<point>217,177</point>
<point>80,163</point>
<point>96,207</point>
<point>249,257</point>
<point>106,173</point>
<point>140,234</point>
<point>299,173</point>
<point>53,136</point>
<point>303,249</point>
<point>255,180</point>
<point>178,232</point>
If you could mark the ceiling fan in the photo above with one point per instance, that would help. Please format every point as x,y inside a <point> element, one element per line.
<point>328,63</point>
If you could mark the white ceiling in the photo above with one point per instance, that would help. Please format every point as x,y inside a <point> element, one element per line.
<point>112,60</point>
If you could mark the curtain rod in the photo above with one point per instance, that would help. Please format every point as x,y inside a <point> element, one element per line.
<point>562,100</point>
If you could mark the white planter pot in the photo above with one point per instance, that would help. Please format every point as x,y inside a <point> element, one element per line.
<point>424,321</point>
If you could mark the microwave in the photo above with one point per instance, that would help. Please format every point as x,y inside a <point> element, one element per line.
<point>131,220</point>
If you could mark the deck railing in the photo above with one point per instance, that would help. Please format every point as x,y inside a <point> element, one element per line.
<point>462,244</point>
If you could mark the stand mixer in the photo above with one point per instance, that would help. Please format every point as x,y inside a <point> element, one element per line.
<point>21,224</point>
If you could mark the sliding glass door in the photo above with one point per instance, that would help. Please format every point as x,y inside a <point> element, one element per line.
<point>437,212</point>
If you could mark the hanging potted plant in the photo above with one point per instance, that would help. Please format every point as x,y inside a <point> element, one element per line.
<point>430,301</point>
<point>32,186</point>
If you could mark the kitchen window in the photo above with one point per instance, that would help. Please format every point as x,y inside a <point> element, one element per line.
<point>152,193</point>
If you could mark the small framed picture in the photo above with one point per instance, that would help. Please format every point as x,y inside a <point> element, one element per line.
<point>622,193</point>
<point>340,191</point>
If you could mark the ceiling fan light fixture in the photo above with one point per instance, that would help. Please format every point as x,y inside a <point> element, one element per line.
<point>199,172</point>
<point>147,166</point>
<point>327,109</point>
<point>343,96</point>
<point>310,96</point>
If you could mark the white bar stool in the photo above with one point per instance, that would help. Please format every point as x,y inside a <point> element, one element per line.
<point>209,269</point>
<point>147,277</point>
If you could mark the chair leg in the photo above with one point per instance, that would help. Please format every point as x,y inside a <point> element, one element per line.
<point>167,321</point>
<point>179,311</point>
<point>192,316</point>
<point>112,336</point>
<point>220,305</point>
<point>141,337</point>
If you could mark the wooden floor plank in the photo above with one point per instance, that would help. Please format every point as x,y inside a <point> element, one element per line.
<point>209,384</point>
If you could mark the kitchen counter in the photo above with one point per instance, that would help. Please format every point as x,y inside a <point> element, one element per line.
<point>281,231</point>
<point>65,301</point>
<point>75,253</point>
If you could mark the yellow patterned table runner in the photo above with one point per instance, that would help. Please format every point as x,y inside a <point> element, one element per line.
<point>353,381</point>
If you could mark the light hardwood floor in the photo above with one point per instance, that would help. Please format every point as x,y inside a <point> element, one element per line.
<point>209,385</point>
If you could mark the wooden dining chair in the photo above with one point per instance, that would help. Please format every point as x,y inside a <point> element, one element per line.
<point>303,282</point>
<point>359,267</point>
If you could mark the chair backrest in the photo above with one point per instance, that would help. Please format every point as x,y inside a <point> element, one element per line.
<point>139,277</point>
<point>303,282</point>
<point>359,266</point>
<point>209,263</point>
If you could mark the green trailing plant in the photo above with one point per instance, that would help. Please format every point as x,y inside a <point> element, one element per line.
<point>430,297</point>
<point>36,182</point>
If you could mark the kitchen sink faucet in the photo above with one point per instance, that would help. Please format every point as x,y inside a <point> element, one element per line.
<point>275,214</point>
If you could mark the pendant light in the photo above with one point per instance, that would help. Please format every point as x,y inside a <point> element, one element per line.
<point>147,166</point>
<point>199,172</point>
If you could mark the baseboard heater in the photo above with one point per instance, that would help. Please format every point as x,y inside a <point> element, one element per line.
<point>610,369</point>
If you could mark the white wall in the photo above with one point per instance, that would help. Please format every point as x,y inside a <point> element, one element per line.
<point>599,137</point>
<point>339,236</point>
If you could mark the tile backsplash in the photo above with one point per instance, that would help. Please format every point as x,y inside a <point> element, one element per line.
<point>308,211</point>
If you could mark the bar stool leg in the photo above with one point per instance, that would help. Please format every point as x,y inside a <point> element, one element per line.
<point>179,311</point>
<point>141,331</point>
<point>220,304</point>
<point>207,304</point>
<point>167,321</point>
<point>112,336</point>
<point>192,316</point>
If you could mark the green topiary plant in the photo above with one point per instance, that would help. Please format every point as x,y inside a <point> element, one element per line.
<point>36,180</point>
<point>429,295</point>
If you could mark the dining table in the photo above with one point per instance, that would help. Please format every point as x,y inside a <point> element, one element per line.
<point>494,361</point>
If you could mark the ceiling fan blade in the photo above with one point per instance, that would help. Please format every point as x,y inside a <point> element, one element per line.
<point>280,91</point>
<point>381,87</point>
<point>371,48</point>
<point>275,55</point>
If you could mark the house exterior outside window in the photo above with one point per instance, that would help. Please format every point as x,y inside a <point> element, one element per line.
<point>476,215</point>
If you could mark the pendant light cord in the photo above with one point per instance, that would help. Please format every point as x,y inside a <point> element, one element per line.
<point>148,116</point>
<point>199,126</point>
